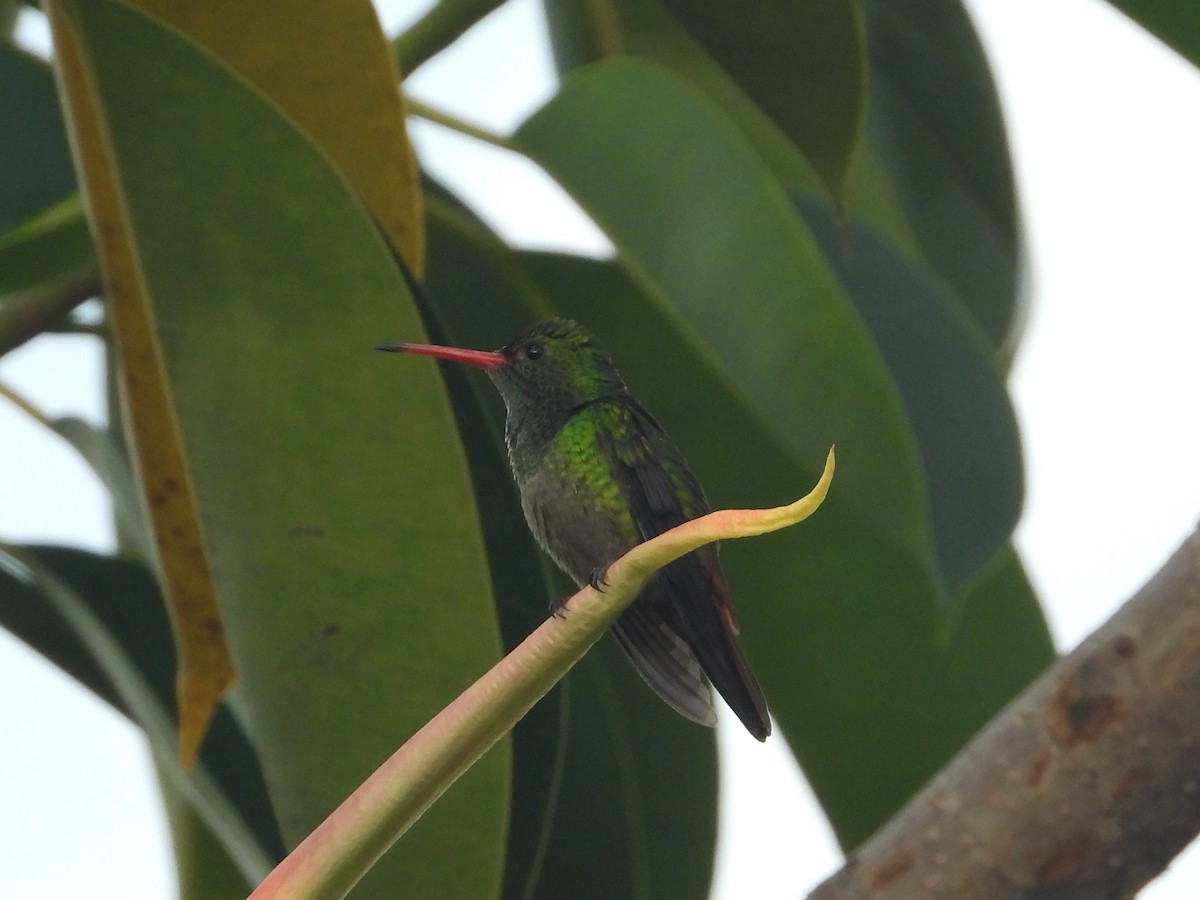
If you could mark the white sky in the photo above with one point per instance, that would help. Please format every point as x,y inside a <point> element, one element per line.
<point>1105,127</point>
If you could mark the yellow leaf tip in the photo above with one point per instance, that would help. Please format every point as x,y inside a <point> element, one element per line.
<point>808,504</point>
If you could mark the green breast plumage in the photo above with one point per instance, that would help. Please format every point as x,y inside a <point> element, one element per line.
<point>572,499</point>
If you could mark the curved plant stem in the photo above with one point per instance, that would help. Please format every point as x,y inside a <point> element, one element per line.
<point>331,860</point>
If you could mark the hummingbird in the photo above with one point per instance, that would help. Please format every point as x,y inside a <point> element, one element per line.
<point>598,475</point>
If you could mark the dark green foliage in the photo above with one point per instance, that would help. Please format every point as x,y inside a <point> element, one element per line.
<point>816,241</point>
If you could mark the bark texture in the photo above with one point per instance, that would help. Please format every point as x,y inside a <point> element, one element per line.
<point>1084,787</point>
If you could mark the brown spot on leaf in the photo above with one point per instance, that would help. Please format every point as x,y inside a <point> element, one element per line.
<point>161,494</point>
<point>331,629</point>
<point>891,870</point>
<point>1075,715</point>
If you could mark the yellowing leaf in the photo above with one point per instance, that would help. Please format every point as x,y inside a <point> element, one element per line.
<point>205,671</point>
<point>346,95</point>
<point>331,69</point>
<point>333,536</point>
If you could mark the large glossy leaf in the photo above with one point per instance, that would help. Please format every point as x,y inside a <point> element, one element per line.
<point>345,92</point>
<point>26,613</point>
<point>648,793</point>
<point>647,31</point>
<point>205,670</point>
<point>1175,24</point>
<point>965,424</point>
<point>34,154</point>
<point>698,218</point>
<point>102,621</point>
<point>803,63</point>
<point>935,123</point>
<point>838,623</point>
<point>608,775</point>
<point>349,564</point>
<point>642,28</point>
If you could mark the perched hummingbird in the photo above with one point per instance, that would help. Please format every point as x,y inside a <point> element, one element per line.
<point>597,476</point>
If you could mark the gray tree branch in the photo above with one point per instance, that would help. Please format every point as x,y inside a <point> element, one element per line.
<point>1086,786</point>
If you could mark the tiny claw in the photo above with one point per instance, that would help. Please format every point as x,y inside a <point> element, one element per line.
<point>599,578</point>
<point>557,605</point>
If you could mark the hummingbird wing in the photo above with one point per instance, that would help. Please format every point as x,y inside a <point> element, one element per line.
<point>683,623</point>
<point>665,661</point>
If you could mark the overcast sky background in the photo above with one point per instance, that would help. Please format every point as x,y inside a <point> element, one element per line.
<point>1105,129</point>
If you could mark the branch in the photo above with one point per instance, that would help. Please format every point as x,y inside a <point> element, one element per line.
<point>1085,787</point>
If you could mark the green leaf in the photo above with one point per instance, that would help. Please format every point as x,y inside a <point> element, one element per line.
<point>350,570</point>
<point>202,866</point>
<point>102,620</point>
<point>33,155</point>
<point>702,224</point>
<point>26,612</point>
<point>642,28</point>
<point>838,623</point>
<point>52,245</point>
<point>936,125</point>
<point>638,777</point>
<point>1175,24</point>
<point>478,293</point>
<point>346,95</point>
<point>802,63</point>
<point>103,452</point>
<point>965,424</point>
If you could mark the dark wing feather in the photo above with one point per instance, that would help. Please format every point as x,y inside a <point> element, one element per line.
<point>683,623</point>
<point>665,660</point>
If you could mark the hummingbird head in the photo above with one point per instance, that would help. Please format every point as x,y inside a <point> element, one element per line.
<point>543,374</point>
<point>554,367</point>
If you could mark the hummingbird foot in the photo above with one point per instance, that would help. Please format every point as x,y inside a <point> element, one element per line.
<point>598,579</point>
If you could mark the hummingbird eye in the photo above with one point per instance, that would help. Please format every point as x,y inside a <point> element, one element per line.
<point>534,352</point>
